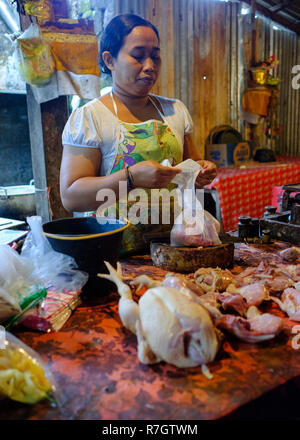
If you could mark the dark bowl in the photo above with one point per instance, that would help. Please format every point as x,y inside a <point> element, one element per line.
<point>264,155</point>
<point>90,242</point>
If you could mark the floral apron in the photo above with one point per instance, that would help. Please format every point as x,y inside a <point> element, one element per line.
<point>150,140</point>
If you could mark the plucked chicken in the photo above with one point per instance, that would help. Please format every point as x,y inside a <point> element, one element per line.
<point>169,324</point>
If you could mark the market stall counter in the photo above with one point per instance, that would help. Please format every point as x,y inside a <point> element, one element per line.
<point>94,361</point>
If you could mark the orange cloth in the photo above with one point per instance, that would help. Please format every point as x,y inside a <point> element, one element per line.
<point>256,101</point>
<point>74,53</point>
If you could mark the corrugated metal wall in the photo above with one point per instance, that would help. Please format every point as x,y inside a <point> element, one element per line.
<point>206,50</point>
<point>139,7</point>
<point>286,46</point>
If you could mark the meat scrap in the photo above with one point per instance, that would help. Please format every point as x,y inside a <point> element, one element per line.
<point>234,302</point>
<point>291,270</point>
<point>276,278</point>
<point>290,254</point>
<point>252,255</point>
<point>213,280</point>
<point>254,294</point>
<point>290,303</point>
<point>258,328</point>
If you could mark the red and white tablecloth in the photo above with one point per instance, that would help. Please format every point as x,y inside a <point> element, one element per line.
<point>246,191</point>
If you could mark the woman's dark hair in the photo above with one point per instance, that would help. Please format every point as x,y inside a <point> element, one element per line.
<point>115,33</point>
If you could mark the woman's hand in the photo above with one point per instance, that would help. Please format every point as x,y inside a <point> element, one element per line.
<point>207,174</point>
<point>150,174</point>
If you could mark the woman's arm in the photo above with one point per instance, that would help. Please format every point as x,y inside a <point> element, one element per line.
<point>209,171</point>
<point>79,180</point>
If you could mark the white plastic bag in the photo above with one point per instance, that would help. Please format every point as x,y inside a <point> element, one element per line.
<point>16,282</point>
<point>15,272</point>
<point>193,226</point>
<point>204,232</point>
<point>50,268</point>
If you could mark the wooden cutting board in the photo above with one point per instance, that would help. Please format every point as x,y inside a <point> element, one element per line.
<point>188,259</point>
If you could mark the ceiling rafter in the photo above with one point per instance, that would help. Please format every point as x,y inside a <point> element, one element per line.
<point>281,6</point>
<point>293,24</point>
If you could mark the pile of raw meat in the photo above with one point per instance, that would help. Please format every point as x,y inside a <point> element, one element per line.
<point>181,319</point>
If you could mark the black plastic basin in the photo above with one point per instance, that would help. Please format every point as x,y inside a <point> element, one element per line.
<point>90,243</point>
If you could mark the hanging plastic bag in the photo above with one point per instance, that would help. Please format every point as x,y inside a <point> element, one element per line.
<point>51,269</point>
<point>23,375</point>
<point>33,56</point>
<point>41,9</point>
<point>193,226</point>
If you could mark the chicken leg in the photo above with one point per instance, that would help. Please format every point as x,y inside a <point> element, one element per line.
<point>128,308</point>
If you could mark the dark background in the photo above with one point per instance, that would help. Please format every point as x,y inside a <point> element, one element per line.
<point>15,155</point>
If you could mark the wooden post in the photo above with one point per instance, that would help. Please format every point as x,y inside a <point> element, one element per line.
<point>253,25</point>
<point>253,128</point>
<point>37,155</point>
<point>46,123</point>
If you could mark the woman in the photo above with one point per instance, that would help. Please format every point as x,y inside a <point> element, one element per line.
<point>125,135</point>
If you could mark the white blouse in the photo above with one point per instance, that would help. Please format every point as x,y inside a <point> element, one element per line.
<point>94,126</point>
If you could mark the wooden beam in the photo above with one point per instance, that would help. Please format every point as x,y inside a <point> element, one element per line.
<point>281,6</point>
<point>293,26</point>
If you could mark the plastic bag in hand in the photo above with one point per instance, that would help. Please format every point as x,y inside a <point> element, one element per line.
<point>193,226</point>
<point>204,231</point>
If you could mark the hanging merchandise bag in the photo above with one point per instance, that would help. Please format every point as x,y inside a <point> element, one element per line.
<point>33,57</point>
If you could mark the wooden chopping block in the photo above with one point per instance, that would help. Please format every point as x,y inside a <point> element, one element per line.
<point>188,259</point>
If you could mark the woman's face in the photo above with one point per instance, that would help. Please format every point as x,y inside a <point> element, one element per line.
<point>137,65</point>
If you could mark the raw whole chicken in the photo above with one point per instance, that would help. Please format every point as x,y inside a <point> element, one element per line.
<point>170,326</point>
<point>207,300</point>
<point>177,281</point>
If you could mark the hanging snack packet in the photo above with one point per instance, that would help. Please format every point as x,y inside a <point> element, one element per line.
<point>33,57</point>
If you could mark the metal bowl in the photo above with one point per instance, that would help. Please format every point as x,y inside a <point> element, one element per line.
<point>17,202</point>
